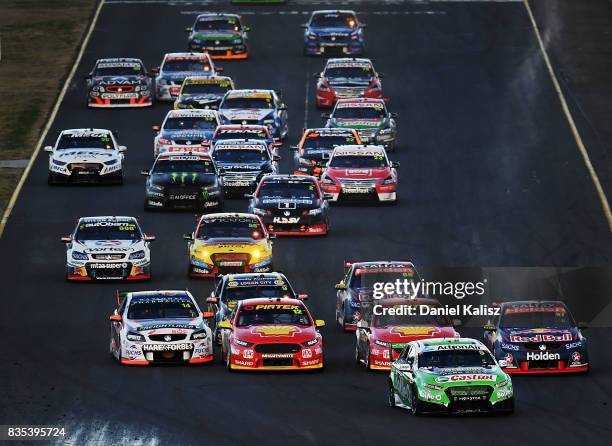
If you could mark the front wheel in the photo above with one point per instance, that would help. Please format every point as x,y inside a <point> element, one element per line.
<point>415,403</point>
<point>391,394</point>
<point>228,361</point>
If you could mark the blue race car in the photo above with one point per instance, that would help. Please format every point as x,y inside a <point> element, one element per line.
<point>185,131</point>
<point>537,337</point>
<point>330,32</point>
<point>255,107</point>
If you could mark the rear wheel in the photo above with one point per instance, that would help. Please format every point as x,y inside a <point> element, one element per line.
<point>391,394</point>
<point>368,363</point>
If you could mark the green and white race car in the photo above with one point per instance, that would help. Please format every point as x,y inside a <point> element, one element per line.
<point>449,376</point>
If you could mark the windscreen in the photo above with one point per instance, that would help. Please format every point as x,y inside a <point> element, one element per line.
<point>272,314</point>
<point>207,88</point>
<point>230,228</point>
<point>455,358</point>
<point>374,161</point>
<point>240,156</point>
<point>90,141</point>
<point>288,190</point>
<point>179,166</point>
<point>377,113</point>
<point>191,123</point>
<point>361,73</point>
<point>326,142</point>
<point>187,65</point>
<point>248,102</point>
<point>251,292</point>
<point>108,230</point>
<point>341,20</point>
<point>386,320</point>
<point>543,317</point>
<point>228,24</point>
<point>162,307</point>
<point>126,69</point>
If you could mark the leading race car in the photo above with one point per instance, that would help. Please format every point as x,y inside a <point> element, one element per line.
<point>360,173</point>
<point>316,147</point>
<point>259,107</point>
<point>387,325</point>
<point>160,327</point>
<point>185,130</point>
<point>203,92</point>
<point>232,288</point>
<point>229,243</point>
<point>347,78</point>
<point>358,286</point>
<point>183,180</point>
<point>449,376</point>
<point>221,35</point>
<point>108,248</point>
<point>271,334</point>
<point>243,162</point>
<point>86,156</point>
<point>333,32</point>
<point>369,117</point>
<point>119,82</point>
<point>536,337</point>
<point>175,68</point>
<point>291,205</point>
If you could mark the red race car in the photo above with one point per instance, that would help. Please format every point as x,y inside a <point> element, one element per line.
<point>387,325</point>
<point>347,78</point>
<point>271,334</point>
<point>360,173</point>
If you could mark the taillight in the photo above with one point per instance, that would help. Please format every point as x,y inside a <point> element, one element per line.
<point>163,141</point>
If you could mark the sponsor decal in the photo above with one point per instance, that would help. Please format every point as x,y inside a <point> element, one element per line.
<point>248,353</point>
<point>108,265</point>
<point>244,363</point>
<point>311,362</point>
<point>576,357</point>
<point>286,220</point>
<point>510,347</point>
<point>572,345</point>
<point>464,378</point>
<point>277,355</point>
<point>414,331</point>
<point>167,347</point>
<point>543,356</point>
<point>306,353</point>
<point>541,338</point>
<point>279,330</point>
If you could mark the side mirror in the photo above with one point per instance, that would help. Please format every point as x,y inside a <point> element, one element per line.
<point>225,324</point>
<point>247,29</point>
<point>294,148</point>
<point>457,323</point>
<point>395,164</point>
<point>489,327</point>
<point>48,149</point>
<point>115,318</point>
<point>327,196</point>
<point>218,69</point>
<point>276,157</point>
<point>302,296</point>
<point>155,70</point>
<point>87,77</point>
<point>582,325</point>
<point>340,286</point>
<point>393,115</point>
<point>320,323</point>
<point>208,315</point>
<point>326,115</point>
<point>188,237</point>
<point>155,128</point>
<point>122,148</point>
<point>317,75</point>
<point>188,29</point>
<point>277,142</point>
<point>212,300</point>
<point>149,238</point>
<point>66,239</point>
<point>145,172</point>
<point>362,25</point>
<point>381,75</point>
<point>271,236</point>
<point>249,195</point>
<point>304,25</point>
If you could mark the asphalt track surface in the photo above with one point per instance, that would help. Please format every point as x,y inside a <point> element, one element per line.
<point>490,176</point>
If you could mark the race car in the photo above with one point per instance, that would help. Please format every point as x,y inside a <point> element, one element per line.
<point>203,92</point>
<point>246,131</point>
<point>387,325</point>
<point>160,327</point>
<point>232,288</point>
<point>243,162</point>
<point>317,145</point>
<point>108,248</point>
<point>259,107</point>
<point>271,334</point>
<point>291,205</point>
<point>537,337</point>
<point>449,376</point>
<point>119,82</point>
<point>185,130</point>
<point>220,35</point>
<point>85,156</point>
<point>369,117</point>
<point>175,68</point>
<point>360,173</point>
<point>183,180</point>
<point>359,284</point>
<point>334,32</point>
<point>347,78</point>
<point>244,2</point>
<point>229,243</point>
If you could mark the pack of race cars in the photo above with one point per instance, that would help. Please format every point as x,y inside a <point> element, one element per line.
<point>221,142</point>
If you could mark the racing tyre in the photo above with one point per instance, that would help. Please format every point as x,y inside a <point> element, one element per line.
<point>391,394</point>
<point>368,363</point>
<point>415,403</point>
<point>357,355</point>
<point>228,361</point>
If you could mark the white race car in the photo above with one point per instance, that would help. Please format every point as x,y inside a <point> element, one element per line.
<point>175,68</point>
<point>185,131</point>
<point>86,156</point>
<point>108,248</point>
<point>152,327</point>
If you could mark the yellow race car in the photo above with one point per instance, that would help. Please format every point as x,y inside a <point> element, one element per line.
<point>228,243</point>
<point>203,92</point>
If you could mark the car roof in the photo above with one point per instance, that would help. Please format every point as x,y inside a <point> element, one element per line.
<point>533,302</point>
<point>358,150</point>
<point>241,143</point>
<point>384,264</point>
<point>271,301</point>
<point>84,131</point>
<point>186,55</point>
<point>284,178</point>
<point>171,156</point>
<point>362,101</point>
<point>118,218</point>
<point>333,11</point>
<point>191,112</point>
<point>221,215</point>
<point>216,15</point>
<point>348,60</point>
<point>435,344</point>
<point>164,293</point>
<point>248,92</point>
<point>206,79</point>
<point>119,60</point>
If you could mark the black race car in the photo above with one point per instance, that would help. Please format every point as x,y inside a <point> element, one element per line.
<point>291,205</point>
<point>118,82</point>
<point>232,288</point>
<point>183,180</point>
